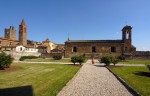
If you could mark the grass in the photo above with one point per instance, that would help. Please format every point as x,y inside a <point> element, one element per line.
<point>44,79</point>
<point>137,77</point>
<point>135,62</point>
<point>49,60</point>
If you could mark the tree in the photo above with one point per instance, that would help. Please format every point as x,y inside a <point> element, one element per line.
<point>5,60</point>
<point>81,59</point>
<point>115,60</point>
<point>107,60</point>
<point>74,59</point>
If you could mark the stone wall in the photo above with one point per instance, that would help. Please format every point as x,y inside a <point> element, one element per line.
<point>84,48</point>
<point>139,55</point>
<point>17,55</point>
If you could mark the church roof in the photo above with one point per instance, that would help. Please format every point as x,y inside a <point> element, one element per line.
<point>94,41</point>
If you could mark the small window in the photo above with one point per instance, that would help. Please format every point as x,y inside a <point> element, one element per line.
<point>20,48</point>
<point>10,43</point>
<point>113,49</point>
<point>74,49</point>
<point>93,49</point>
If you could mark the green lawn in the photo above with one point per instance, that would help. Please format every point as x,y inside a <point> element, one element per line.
<point>135,62</point>
<point>44,79</point>
<point>49,60</point>
<point>137,77</point>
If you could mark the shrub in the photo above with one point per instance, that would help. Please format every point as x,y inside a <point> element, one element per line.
<point>22,58</point>
<point>107,60</point>
<point>115,60</point>
<point>121,58</point>
<point>74,59</point>
<point>57,57</point>
<point>148,66</point>
<point>81,59</point>
<point>5,60</point>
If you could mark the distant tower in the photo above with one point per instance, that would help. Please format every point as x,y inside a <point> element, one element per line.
<point>22,33</point>
<point>127,37</point>
<point>10,33</point>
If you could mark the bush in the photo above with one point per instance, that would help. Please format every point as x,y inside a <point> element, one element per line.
<point>107,60</point>
<point>115,60</point>
<point>148,66</point>
<point>81,59</point>
<point>121,58</point>
<point>74,59</point>
<point>22,58</point>
<point>58,57</point>
<point>5,60</point>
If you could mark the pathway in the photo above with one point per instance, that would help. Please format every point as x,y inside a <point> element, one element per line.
<point>93,80</point>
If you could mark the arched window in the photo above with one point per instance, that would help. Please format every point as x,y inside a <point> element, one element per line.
<point>74,49</point>
<point>127,34</point>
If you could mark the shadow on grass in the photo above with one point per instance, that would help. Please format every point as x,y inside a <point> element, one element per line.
<point>17,91</point>
<point>141,73</point>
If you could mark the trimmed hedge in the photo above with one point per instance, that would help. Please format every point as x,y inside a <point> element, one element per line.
<point>5,60</point>
<point>57,57</point>
<point>22,58</point>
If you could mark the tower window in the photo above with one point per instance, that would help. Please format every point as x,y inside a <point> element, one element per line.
<point>74,49</point>
<point>113,49</point>
<point>127,34</point>
<point>93,49</point>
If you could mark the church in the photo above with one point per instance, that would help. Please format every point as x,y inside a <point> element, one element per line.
<point>99,48</point>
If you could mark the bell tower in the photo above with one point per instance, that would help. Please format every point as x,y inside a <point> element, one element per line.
<point>22,33</point>
<point>127,37</point>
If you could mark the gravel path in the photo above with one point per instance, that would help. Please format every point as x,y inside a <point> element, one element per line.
<point>93,80</point>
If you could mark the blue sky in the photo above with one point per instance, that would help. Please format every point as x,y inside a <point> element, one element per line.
<point>82,19</point>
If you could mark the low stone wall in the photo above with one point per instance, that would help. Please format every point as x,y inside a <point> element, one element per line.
<point>139,55</point>
<point>50,55</point>
<point>17,55</point>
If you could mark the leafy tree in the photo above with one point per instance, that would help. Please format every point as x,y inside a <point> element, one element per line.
<point>74,59</point>
<point>81,59</point>
<point>115,60</point>
<point>107,60</point>
<point>5,60</point>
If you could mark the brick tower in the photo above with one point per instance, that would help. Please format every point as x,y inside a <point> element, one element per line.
<point>10,33</point>
<point>22,33</point>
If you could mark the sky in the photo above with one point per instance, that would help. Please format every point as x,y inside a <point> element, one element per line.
<point>78,19</point>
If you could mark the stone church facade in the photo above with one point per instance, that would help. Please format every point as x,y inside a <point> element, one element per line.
<point>99,48</point>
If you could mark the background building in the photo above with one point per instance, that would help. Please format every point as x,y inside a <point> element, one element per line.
<point>99,48</point>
